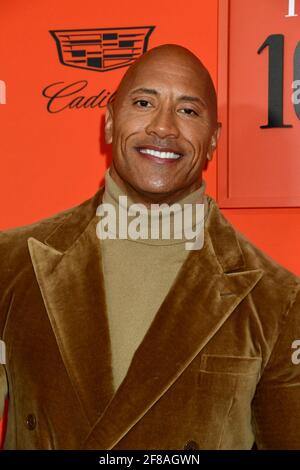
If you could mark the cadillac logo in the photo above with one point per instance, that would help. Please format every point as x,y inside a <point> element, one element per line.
<point>101,49</point>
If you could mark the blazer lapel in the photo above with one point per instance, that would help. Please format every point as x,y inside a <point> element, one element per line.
<point>209,286</point>
<point>68,270</point>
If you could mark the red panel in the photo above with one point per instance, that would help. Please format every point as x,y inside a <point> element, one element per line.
<point>257,167</point>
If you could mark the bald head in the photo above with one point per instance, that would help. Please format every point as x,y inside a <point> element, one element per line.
<point>165,57</point>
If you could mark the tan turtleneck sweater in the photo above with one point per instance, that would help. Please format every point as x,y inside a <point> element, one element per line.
<point>137,275</point>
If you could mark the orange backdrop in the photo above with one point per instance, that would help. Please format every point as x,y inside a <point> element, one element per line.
<point>54,160</point>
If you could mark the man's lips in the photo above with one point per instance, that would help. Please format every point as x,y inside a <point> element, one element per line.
<point>160,154</point>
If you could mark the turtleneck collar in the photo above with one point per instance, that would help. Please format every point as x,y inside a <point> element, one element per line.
<point>112,193</point>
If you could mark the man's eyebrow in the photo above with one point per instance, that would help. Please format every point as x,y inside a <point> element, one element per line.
<point>152,91</point>
<point>148,91</point>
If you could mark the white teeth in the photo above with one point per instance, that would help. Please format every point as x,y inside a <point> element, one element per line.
<point>155,153</point>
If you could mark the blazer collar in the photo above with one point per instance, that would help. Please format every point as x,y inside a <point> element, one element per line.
<point>209,286</point>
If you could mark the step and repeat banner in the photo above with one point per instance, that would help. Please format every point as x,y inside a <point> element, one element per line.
<point>60,64</point>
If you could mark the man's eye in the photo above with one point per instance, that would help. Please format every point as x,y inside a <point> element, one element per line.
<point>188,111</point>
<point>142,103</point>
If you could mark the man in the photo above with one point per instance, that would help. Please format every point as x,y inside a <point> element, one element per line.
<point>141,344</point>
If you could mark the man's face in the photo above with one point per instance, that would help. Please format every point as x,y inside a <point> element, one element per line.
<point>162,126</point>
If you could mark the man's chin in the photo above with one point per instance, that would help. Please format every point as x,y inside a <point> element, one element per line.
<point>155,194</point>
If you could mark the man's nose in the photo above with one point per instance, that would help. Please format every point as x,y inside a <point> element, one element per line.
<point>163,124</point>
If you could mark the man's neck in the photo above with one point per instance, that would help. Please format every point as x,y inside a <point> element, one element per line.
<point>147,198</point>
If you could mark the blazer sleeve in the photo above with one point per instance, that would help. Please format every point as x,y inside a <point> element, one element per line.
<point>276,405</point>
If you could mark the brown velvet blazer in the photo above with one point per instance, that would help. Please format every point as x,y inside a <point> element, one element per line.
<point>214,370</point>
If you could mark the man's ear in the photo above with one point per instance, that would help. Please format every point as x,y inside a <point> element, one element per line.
<point>109,118</point>
<point>214,141</point>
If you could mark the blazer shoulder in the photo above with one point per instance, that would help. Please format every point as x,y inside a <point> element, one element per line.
<point>13,240</point>
<point>256,258</point>
<point>277,288</point>
<point>15,261</point>
<point>14,252</point>
<point>276,297</point>
<point>228,238</point>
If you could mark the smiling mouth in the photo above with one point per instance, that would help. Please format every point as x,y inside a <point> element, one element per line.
<point>165,154</point>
